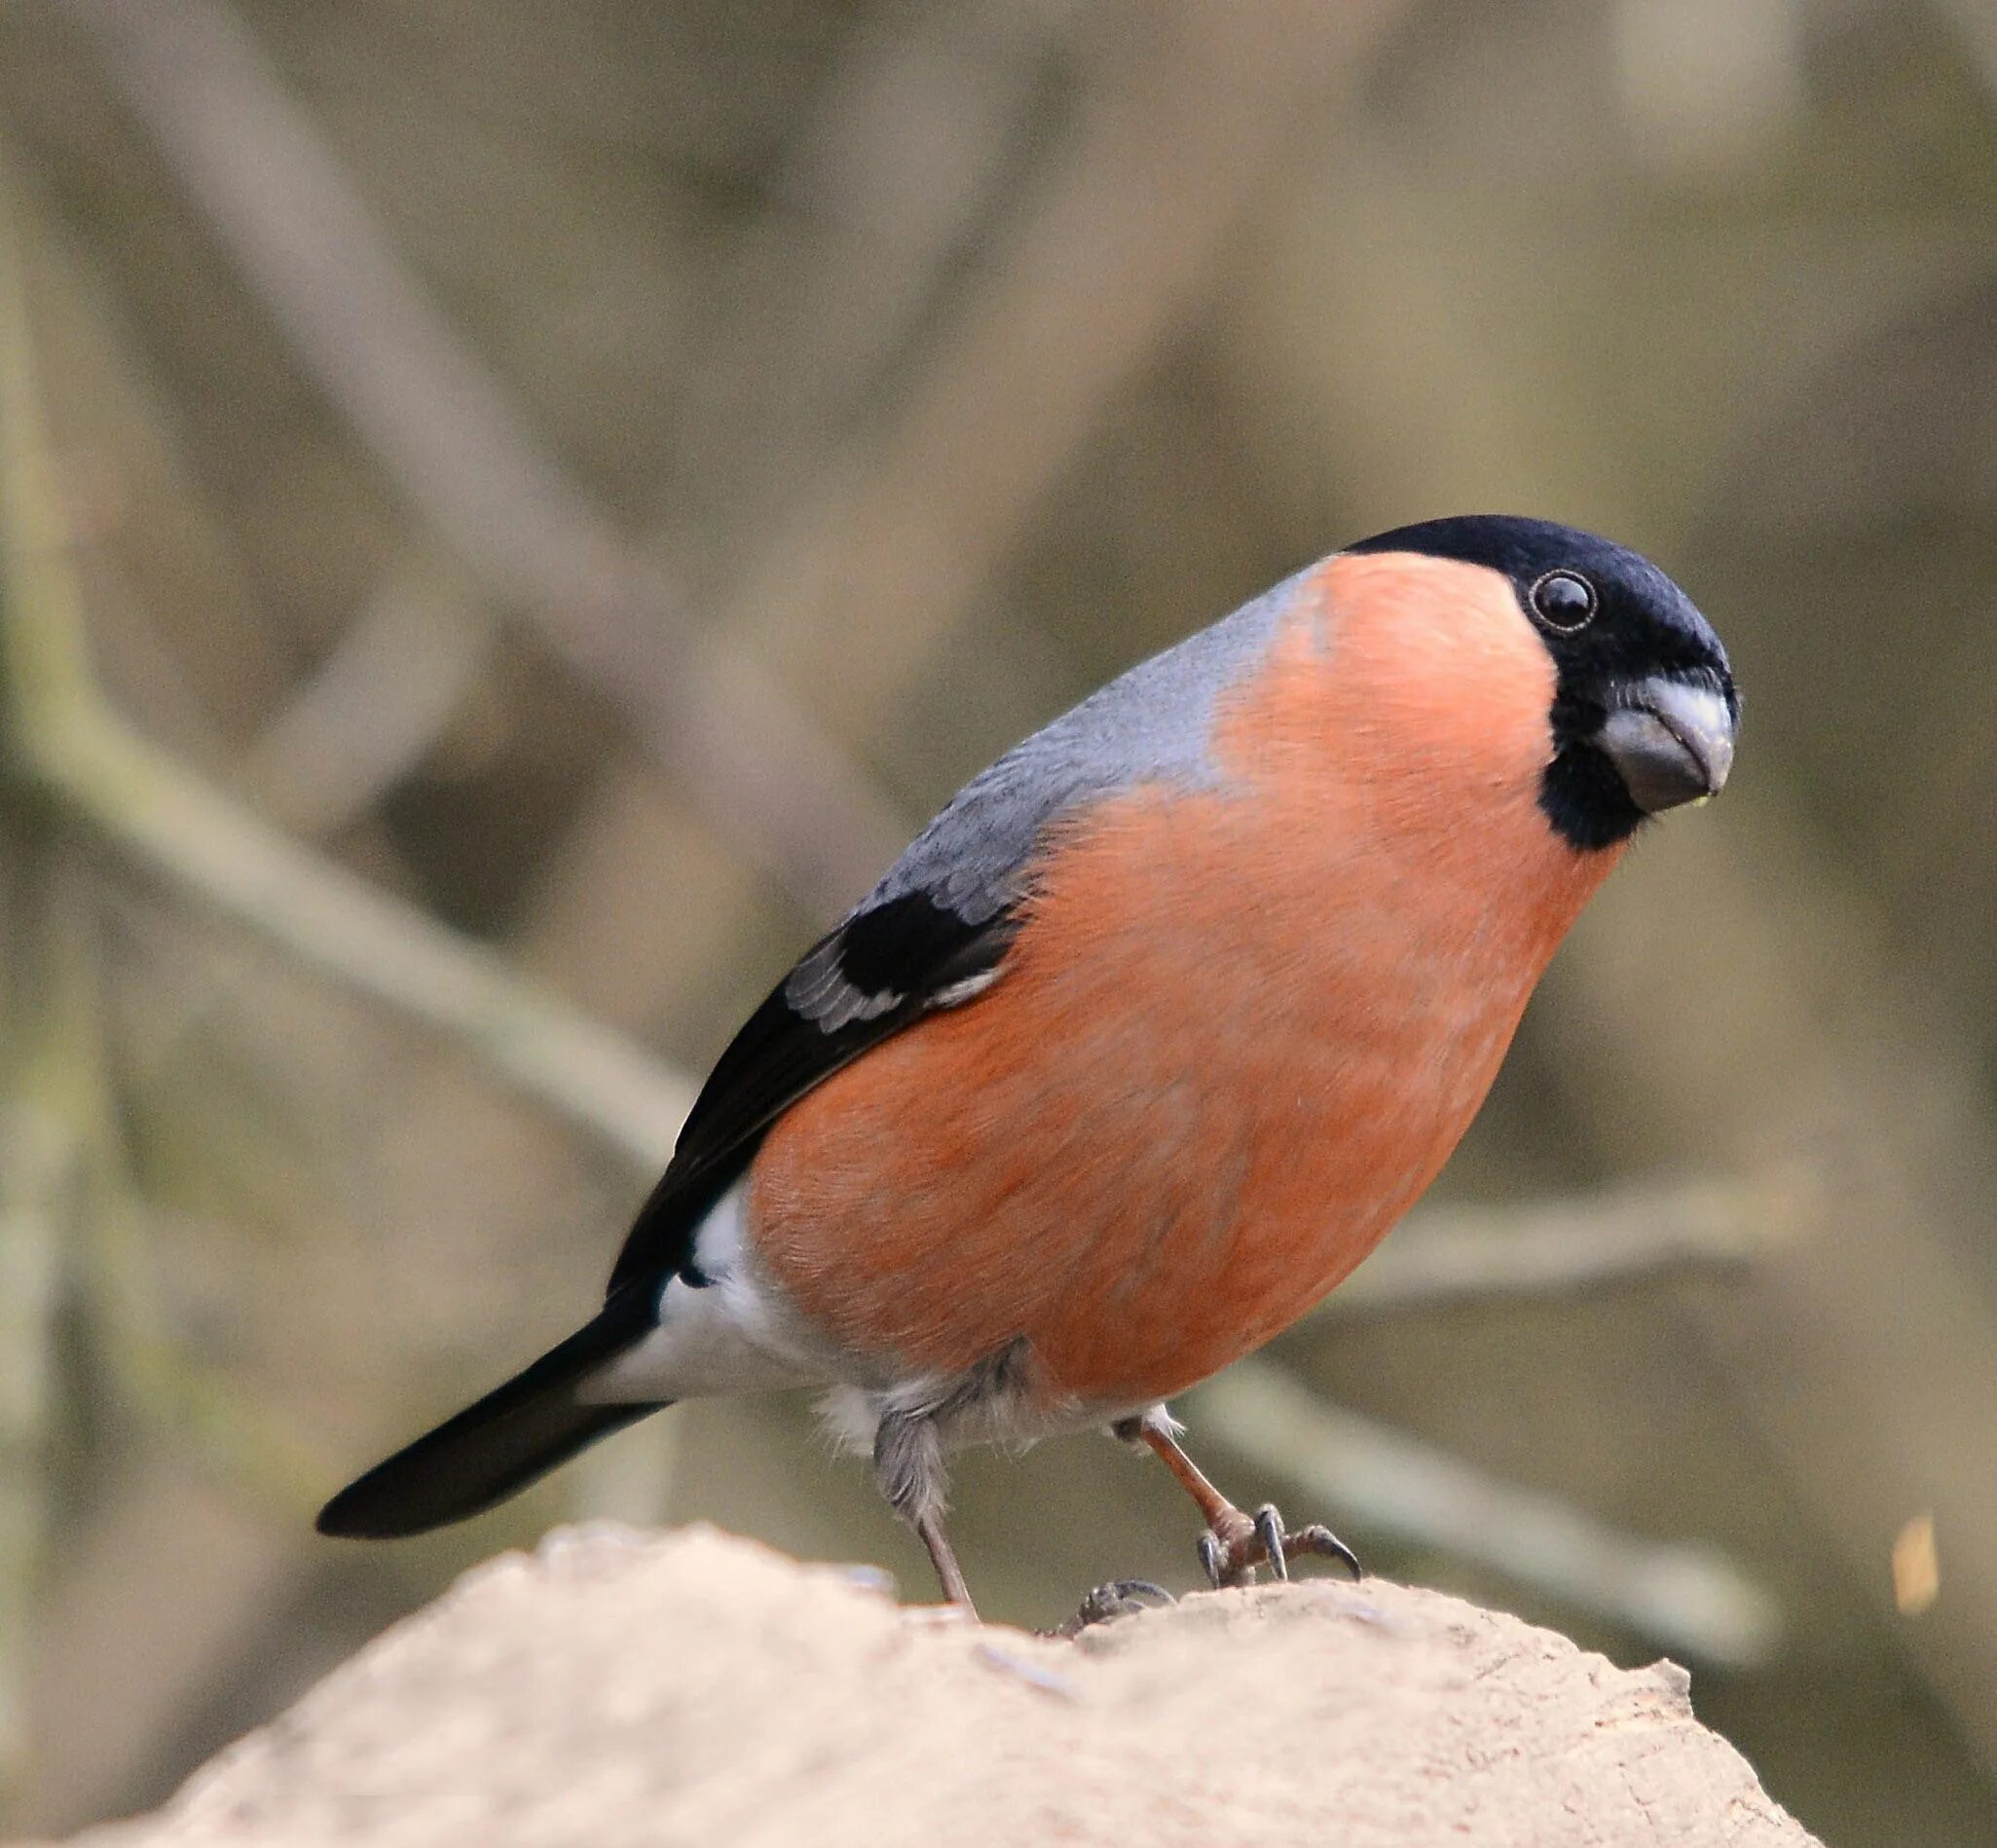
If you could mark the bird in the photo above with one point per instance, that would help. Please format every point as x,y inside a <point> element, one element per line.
<point>1149,1037</point>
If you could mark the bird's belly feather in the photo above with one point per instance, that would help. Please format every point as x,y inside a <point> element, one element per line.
<point>1225,1057</point>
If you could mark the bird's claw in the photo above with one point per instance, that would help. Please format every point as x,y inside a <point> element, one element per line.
<point>1118,1598</point>
<point>1320,1540</point>
<point>1230,1552</point>
<point>1212,1561</point>
<point>1269,1531</point>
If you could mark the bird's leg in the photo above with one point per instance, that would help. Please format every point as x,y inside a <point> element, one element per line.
<point>950,1574</point>
<point>909,1467</point>
<point>1234,1544</point>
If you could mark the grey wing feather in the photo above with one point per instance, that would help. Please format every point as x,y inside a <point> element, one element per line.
<point>1153,724</point>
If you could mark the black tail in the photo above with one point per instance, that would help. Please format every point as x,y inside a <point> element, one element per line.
<point>490,1449</point>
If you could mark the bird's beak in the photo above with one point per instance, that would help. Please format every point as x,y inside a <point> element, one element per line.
<point>1670,741</point>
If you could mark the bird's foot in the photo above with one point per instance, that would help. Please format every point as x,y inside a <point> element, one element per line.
<point>1120,1597</point>
<point>1236,1545</point>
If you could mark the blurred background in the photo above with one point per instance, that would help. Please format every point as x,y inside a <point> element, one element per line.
<point>508,516</point>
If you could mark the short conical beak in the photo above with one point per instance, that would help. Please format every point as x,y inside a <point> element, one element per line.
<point>1671,742</point>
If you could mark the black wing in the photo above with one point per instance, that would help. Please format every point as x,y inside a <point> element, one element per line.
<point>882,968</point>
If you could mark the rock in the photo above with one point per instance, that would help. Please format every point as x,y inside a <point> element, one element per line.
<point>626,1688</point>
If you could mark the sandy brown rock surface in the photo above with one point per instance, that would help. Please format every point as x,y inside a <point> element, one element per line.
<point>624,1688</point>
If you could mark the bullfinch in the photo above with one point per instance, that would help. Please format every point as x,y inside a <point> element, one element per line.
<point>1149,1038</point>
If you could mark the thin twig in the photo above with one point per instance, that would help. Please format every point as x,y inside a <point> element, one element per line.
<point>1566,1246</point>
<point>443,427</point>
<point>374,707</point>
<point>1687,1598</point>
<point>174,823</point>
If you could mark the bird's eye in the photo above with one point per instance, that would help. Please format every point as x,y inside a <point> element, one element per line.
<point>1564,601</point>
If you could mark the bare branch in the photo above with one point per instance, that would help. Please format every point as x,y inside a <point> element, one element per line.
<point>192,835</point>
<point>374,707</point>
<point>1630,1235</point>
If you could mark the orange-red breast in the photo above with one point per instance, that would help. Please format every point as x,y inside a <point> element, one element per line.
<point>1150,1036</point>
